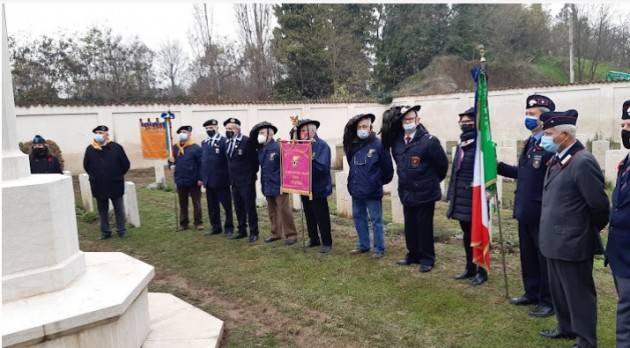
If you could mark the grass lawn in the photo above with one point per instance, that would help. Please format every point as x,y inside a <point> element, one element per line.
<point>278,296</point>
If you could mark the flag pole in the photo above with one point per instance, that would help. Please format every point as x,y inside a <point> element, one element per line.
<point>482,61</point>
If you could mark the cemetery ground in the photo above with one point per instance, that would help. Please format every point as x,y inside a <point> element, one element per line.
<point>271,295</point>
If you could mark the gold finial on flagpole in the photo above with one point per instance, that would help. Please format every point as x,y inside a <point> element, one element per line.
<point>482,55</point>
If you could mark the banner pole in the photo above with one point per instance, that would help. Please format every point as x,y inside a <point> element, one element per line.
<point>502,246</point>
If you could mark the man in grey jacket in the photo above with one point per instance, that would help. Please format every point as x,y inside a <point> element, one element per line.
<point>574,210</point>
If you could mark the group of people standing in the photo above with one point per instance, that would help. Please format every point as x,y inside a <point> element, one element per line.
<point>560,200</point>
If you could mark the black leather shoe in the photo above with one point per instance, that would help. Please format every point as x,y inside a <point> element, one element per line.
<point>541,311</point>
<point>357,251</point>
<point>272,239</point>
<point>253,238</point>
<point>556,334</point>
<point>105,237</point>
<point>215,233</point>
<point>239,236</point>
<point>312,244</point>
<point>182,228</point>
<point>465,275</point>
<point>479,279</point>
<point>290,242</point>
<point>425,268</point>
<point>122,235</point>
<point>325,249</point>
<point>521,301</point>
<point>405,262</point>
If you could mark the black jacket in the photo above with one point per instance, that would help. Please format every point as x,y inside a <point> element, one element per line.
<point>214,165</point>
<point>618,247</point>
<point>45,165</point>
<point>420,166</point>
<point>460,185</point>
<point>106,168</point>
<point>530,175</point>
<point>243,163</point>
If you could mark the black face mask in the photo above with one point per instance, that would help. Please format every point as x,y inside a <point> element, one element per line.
<point>625,138</point>
<point>39,152</point>
<point>467,127</point>
<point>229,134</point>
<point>211,133</point>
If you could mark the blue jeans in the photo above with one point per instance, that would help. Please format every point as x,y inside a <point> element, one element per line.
<point>360,210</point>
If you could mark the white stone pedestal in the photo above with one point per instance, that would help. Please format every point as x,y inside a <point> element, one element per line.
<point>130,200</point>
<point>40,247</point>
<point>397,208</point>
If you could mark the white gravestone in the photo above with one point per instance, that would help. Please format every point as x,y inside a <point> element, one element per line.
<point>343,199</point>
<point>599,148</point>
<point>131,204</point>
<point>397,208</point>
<point>613,157</point>
<point>160,176</point>
<point>86,192</point>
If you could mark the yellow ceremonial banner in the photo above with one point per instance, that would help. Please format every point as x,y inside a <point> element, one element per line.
<point>153,136</point>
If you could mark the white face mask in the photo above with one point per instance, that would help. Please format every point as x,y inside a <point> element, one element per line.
<point>262,138</point>
<point>409,126</point>
<point>99,138</point>
<point>183,136</point>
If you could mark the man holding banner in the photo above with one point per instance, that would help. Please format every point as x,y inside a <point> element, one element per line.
<point>316,209</point>
<point>278,205</point>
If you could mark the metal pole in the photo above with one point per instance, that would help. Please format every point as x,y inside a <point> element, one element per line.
<point>502,246</point>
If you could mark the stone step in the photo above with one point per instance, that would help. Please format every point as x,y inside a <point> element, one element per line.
<point>175,323</point>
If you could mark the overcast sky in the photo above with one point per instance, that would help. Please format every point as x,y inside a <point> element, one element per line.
<point>152,22</point>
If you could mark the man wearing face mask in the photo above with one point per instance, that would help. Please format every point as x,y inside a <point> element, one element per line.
<point>106,164</point>
<point>215,177</point>
<point>618,247</point>
<point>421,164</point>
<point>530,175</point>
<point>188,177</point>
<point>42,162</point>
<point>316,209</point>
<point>243,166</point>
<point>574,211</point>
<point>370,168</point>
<point>460,193</point>
<point>278,206</point>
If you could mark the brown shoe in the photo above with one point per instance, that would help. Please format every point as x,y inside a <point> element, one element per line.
<point>199,227</point>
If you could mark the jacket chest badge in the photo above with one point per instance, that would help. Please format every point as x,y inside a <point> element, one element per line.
<point>272,156</point>
<point>537,160</point>
<point>314,154</point>
<point>217,150</point>
<point>371,152</point>
<point>415,161</point>
<point>240,152</point>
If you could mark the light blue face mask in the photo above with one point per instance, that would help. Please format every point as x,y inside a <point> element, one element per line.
<point>531,122</point>
<point>99,138</point>
<point>409,126</point>
<point>547,143</point>
<point>363,133</point>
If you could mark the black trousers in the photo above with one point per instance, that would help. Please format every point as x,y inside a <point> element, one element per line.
<point>574,299</point>
<point>419,233</point>
<point>194,192</point>
<point>317,216</point>
<point>623,311</point>
<point>533,265</point>
<point>102,204</point>
<point>471,267</point>
<point>244,197</point>
<point>222,195</point>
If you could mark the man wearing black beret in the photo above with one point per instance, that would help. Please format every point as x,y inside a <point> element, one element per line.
<point>215,177</point>
<point>530,175</point>
<point>106,163</point>
<point>574,211</point>
<point>618,247</point>
<point>187,160</point>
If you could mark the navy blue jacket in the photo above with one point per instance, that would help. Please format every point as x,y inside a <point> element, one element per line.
<point>269,160</point>
<point>187,166</point>
<point>243,164</point>
<point>618,247</point>
<point>370,168</point>
<point>214,165</point>
<point>460,186</point>
<point>322,182</point>
<point>420,166</point>
<point>530,175</point>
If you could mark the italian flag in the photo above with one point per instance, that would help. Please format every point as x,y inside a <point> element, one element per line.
<point>485,174</point>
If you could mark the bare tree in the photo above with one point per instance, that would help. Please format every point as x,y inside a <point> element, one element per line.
<point>255,27</point>
<point>171,64</point>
